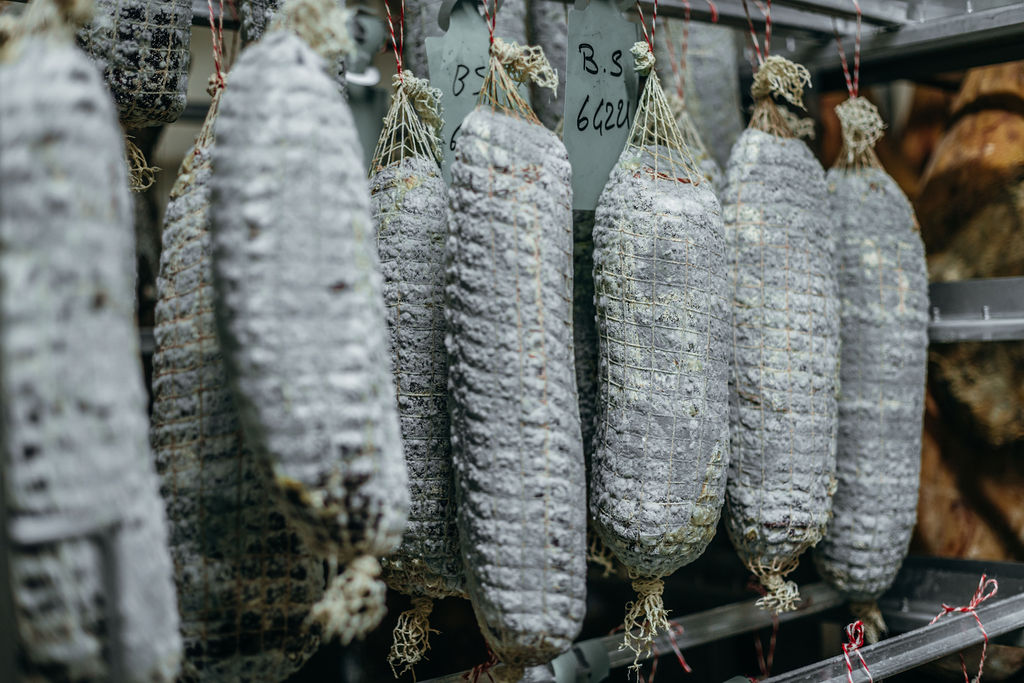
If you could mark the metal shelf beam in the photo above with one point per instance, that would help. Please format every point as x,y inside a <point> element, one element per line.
<point>914,599</point>
<point>923,48</point>
<point>590,660</point>
<point>818,18</point>
<point>910,650</point>
<point>785,20</point>
<point>881,12</point>
<point>977,310</point>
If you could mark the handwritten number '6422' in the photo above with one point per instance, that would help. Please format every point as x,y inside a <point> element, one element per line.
<point>605,116</point>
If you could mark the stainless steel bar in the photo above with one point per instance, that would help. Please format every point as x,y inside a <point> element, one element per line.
<point>923,583</point>
<point>923,48</point>
<point>694,629</point>
<point>106,540</point>
<point>726,621</point>
<point>785,20</point>
<point>977,310</point>
<point>881,12</point>
<point>910,650</point>
<point>947,331</point>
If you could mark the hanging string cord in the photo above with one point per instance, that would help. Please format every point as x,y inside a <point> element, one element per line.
<point>483,669</point>
<point>217,38</point>
<point>852,81</point>
<point>855,641</point>
<point>678,64</point>
<point>672,632</point>
<point>675,629</point>
<point>649,37</point>
<point>491,18</point>
<point>766,10</point>
<point>397,43</point>
<point>232,52</point>
<point>764,664</point>
<point>987,588</point>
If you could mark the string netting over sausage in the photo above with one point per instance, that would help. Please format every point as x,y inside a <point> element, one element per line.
<point>344,483</point>
<point>655,133</point>
<point>246,580</point>
<point>409,203</point>
<point>648,252</point>
<point>860,122</point>
<point>516,440</point>
<point>412,123</point>
<point>785,339</point>
<point>143,48</point>
<point>775,77</point>
<point>510,65</point>
<point>677,99</point>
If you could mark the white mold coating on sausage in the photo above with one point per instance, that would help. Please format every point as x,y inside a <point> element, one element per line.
<point>515,420</point>
<point>75,444</point>
<point>298,300</point>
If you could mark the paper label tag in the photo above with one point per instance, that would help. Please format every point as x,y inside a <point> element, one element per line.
<point>458,62</point>
<point>600,96</point>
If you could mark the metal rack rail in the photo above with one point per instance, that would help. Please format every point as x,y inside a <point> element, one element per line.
<point>977,310</point>
<point>915,598</point>
<point>901,39</point>
<point>591,660</point>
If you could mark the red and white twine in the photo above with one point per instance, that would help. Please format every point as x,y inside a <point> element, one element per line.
<point>766,10</point>
<point>987,588</point>
<point>643,23</point>
<point>855,641</point>
<point>678,64</point>
<point>397,43</point>
<point>852,82</point>
<point>491,18</point>
<point>217,38</point>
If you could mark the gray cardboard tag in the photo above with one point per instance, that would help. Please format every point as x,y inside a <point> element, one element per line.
<point>600,96</point>
<point>457,62</point>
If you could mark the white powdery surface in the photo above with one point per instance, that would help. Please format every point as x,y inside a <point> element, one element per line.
<point>299,303</point>
<point>75,444</point>
<point>245,581</point>
<point>657,477</point>
<point>255,17</point>
<point>410,207</point>
<point>786,345</point>
<point>515,420</point>
<point>883,284</point>
<point>142,46</point>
